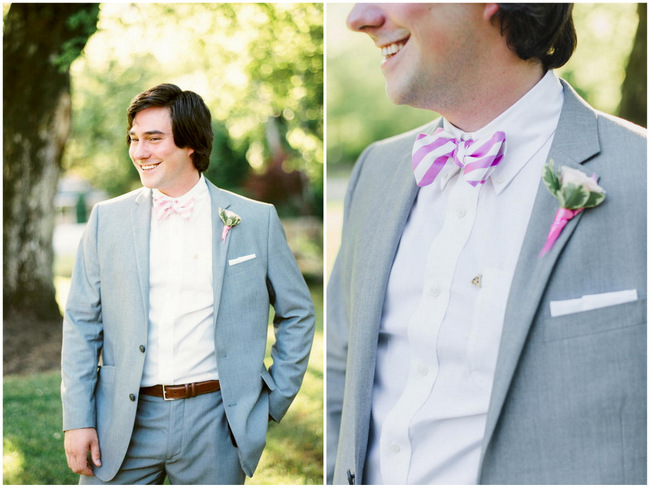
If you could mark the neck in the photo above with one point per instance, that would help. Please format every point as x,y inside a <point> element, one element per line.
<point>495,93</point>
<point>180,188</point>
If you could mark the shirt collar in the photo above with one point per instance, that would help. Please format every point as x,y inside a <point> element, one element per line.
<point>528,125</point>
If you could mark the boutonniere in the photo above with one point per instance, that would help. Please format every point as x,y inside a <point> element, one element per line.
<point>229,219</point>
<point>575,191</point>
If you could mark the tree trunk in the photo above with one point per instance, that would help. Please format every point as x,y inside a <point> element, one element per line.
<point>40,42</point>
<point>634,98</point>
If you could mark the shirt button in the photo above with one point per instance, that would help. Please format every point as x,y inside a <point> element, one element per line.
<point>435,291</point>
<point>461,212</point>
<point>423,370</point>
<point>394,448</point>
<point>142,348</point>
<point>131,397</point>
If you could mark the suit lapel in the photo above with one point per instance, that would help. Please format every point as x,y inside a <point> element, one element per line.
<point>141,228</point>
<point>575,141</point>
<point>218,199</point>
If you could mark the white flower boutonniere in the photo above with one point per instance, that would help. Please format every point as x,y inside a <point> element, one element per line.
<point>575,191</point>
<point>229,219</point>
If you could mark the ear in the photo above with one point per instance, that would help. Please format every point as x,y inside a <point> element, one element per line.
<point>490,10</point>
<point>190,151</point>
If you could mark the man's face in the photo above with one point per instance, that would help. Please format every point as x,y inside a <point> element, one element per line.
<point>428,49</point>
<point>160,163</point>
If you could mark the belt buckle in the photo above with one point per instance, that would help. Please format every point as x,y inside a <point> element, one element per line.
<point>164,393</point>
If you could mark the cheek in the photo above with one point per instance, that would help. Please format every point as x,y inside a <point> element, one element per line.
<point>409,12</point>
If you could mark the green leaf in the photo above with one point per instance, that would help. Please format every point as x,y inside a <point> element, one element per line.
<point>595,198</point>
<point>574,196</point>
<point>550,179</point>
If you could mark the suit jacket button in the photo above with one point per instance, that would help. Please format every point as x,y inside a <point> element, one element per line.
<point>131,397</point>
<point>142,349</point>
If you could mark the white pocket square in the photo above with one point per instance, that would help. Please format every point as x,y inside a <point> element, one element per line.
<point>248,257</point>
<point>592,302</point>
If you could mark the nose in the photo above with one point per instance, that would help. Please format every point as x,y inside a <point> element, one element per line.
<point>139,150</point>
<point>365,16</point>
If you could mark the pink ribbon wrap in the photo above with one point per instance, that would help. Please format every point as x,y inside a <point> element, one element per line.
<point>562,216</point>
<point>224,232</point>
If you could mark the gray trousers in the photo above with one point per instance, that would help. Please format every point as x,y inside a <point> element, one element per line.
<point>188,441</point>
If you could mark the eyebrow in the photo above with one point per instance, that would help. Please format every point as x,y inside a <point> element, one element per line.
<point>147,133</point>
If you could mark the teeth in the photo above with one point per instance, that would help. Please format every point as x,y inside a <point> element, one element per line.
<point>150,166</point>
<point>394,48</point>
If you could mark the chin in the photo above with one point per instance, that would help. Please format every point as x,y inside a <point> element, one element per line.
<point>414,92</point>
<point>398,96</point>
<point>147,183</point>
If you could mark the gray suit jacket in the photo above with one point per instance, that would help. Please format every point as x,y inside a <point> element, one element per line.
<point>568,403</point>
<point>107,315</point>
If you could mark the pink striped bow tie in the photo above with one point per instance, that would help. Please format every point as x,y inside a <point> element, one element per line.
<point>163,206</point>
<point>433,153</point>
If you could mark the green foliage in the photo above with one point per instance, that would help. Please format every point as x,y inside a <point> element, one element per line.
<point>252,63</point>
<point>227,166</point>
<point>550,178</point>
<point>83,24</point>
<point>634,99</point>
<point>573,196</point>
<point>33,442</point>
<point>594,199</point>
<point>605,38</point>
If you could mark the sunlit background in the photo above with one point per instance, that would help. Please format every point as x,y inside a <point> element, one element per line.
<point>359,113</point>
<point>258,67</point>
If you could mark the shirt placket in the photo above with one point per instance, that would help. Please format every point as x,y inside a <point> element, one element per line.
<point>167,332</point>
<point>424,327</point>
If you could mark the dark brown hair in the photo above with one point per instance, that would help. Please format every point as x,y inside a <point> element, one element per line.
<point>191,119</point>
<point>543,31</point>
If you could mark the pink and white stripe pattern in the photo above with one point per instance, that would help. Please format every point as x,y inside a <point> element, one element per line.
<point>433,153</point>
<point>165,206</point>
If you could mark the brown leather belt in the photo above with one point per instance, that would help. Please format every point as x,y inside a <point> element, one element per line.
<point>179,392</point>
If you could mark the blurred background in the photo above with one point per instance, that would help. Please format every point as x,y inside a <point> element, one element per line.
<point>608,69</point>
<point>70,71</point>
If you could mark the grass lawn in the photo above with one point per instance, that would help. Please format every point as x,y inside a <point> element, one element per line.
<point>33,441</point>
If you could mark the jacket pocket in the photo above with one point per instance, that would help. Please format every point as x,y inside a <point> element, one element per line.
<point>105,378</point>
<point>604,319</point>
<point>242,267</point>
<point>268,380</point>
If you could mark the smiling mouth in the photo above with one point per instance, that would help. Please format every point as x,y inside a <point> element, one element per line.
<point>391,50</point>
<point>148,167</point>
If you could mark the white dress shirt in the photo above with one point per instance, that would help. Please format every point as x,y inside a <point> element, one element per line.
<point>440,333</point>
<point>180,345</point>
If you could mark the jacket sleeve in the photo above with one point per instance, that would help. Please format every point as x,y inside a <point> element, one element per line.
<point>293,321</point>
<point>82,334</point>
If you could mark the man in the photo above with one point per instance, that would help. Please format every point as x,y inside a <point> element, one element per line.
<point>458,351</point>
<point>166,322</point>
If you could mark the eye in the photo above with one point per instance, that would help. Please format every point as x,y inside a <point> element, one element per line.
<point>133,139</point>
